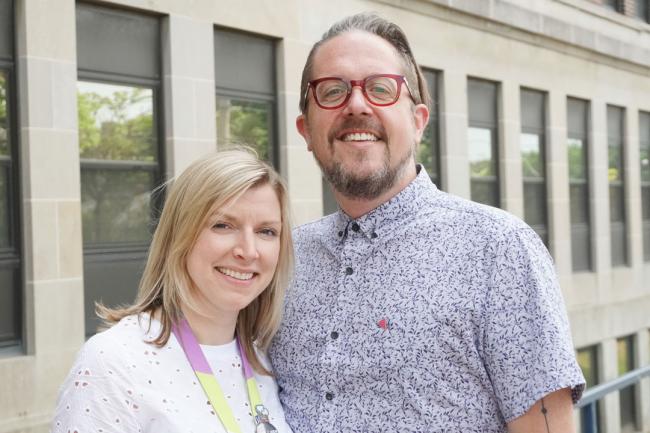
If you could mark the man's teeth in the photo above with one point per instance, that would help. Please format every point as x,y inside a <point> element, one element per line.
<point>360,136</point>
<point>235,274</point>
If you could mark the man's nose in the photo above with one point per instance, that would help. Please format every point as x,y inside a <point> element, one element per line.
<point>357,104</point>
<point>246,248</point>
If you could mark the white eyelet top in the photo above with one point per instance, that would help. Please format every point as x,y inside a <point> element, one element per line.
<point>121,383</point>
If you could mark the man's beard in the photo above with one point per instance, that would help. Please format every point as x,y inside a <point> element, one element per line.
<point>370,186</point>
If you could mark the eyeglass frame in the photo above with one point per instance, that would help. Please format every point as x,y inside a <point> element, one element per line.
<point>360,83</point>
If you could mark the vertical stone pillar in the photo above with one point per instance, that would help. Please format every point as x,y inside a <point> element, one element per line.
<point>453,132</point>
<point>510,171</point>
<point>558,184</point>
<point>188,91</point>
<point>599,189</point>
<point>296,163</point>
<point>50,189</point>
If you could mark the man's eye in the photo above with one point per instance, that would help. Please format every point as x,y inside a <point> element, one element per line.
<point>333,92</point>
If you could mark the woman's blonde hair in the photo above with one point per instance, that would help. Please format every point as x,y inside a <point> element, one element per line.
<point>207,184</point>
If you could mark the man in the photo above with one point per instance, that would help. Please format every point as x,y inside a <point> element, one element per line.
<point>411,310</point>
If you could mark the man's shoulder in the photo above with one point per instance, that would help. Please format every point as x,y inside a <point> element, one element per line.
<point>463,214</point>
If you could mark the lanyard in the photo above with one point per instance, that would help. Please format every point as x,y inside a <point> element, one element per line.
<point>208,381</point>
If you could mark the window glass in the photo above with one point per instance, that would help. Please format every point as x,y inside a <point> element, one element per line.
<point>246,91</point>
<point>117,142</point>
<point>577,157</point>
<point>641,9</point>
<point>429,149</point>
<point>627,399</point>
<point>481,159</point>
<point>245,122</point>
<point>5,184</point>
<point>588,361</point>
<point>531,158</point>
<point>577,148</point>
<point>115,122</point>
<point>5,239</point>
<point>645,164</point>
<point>4,118</point>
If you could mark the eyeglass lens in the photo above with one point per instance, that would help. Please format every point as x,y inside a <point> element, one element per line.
<point>378,90</point>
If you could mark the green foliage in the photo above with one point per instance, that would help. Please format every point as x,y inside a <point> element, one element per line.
<point>532,164</point>
<point>108,130</point>
<point>116,126</point>
<point>248,124</point>
<point>577,161</point>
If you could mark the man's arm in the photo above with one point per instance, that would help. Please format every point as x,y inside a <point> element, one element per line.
<point>551,414</point>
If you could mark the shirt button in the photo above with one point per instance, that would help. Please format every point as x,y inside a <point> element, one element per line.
<point>340,233</point>
<point>334,335</point>
<point>373,235</point>
<point>329,395</point>
<point>355,227</point>
<point>348,271</point>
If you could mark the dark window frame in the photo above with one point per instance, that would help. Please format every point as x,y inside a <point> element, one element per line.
<point>11,257</point>
<point>645,186</point>
<point>255,96</point>
<point>111,253</point>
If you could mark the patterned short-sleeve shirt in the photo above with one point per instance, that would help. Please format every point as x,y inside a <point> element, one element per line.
<point>429,314</point>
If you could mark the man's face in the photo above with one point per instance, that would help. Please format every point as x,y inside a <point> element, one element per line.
<point>363,149</point>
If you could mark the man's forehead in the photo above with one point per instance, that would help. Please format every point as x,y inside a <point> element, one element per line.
<point>356,50</point>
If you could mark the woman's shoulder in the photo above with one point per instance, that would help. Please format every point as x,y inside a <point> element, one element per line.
<point>130,334</point>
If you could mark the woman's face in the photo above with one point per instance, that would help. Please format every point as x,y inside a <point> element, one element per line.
<point>236,253</point>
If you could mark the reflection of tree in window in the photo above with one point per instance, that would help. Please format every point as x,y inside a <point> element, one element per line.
<point>3,115</point>
<point>245,122</point>
<point>576,159</point>
<point>480,152</point>
<point>4,165</point>
<point>117,147</point>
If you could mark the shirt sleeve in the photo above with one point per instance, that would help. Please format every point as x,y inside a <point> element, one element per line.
<point>91,398</point>
<point>527,341</point>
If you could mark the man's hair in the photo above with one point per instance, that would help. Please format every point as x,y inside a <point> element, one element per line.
<point>390,32</point>
<point>205,187</point>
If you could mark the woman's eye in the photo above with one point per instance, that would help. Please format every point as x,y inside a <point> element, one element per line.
<point>269,232</point>
<point>220,226</point>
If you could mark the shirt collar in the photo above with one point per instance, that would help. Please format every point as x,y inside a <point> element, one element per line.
<point>382,219</point>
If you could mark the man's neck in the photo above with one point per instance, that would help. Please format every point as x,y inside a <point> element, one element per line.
<point>356,208</point>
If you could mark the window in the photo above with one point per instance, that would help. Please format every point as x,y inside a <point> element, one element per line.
<point>615,140</point>
<point>119,147</point>
<point>532,142</point>
<point>482,142</point>
<point>246,91</point>
<point>644,143</point>
<point>627,399</point>
<point>588,361</point>
<point>10,258</point>
<point>642,10</point>
<point>616,5</point>
<point>429,150</point>
<point>578,147</point>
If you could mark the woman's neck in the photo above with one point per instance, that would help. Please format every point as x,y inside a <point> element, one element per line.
<point>211,331</point>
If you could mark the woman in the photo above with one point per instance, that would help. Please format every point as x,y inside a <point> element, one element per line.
<point>187,356</point>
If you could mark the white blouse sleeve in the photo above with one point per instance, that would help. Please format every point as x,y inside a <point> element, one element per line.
<point>92,399</point>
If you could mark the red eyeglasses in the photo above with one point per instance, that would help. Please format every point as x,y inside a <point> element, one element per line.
<point>381,90</point>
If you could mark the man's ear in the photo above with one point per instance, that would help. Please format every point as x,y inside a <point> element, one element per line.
<point>420,118</point>
<point>303,129</point>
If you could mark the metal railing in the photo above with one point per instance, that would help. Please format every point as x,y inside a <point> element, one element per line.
<point>591,397</point>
